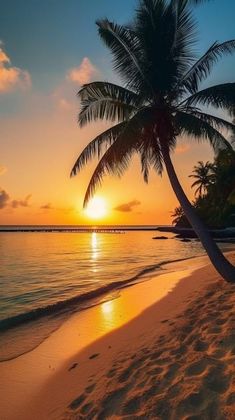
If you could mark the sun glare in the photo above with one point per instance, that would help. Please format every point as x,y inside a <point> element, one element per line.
<point>96,208</point>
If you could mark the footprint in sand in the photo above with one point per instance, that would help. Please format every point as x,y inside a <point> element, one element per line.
<point>86,408</point>
<point>231,399</point>
<point>197,368</point>
<point>89,388</point>
<point>111,373</point>
<point>201,346</point>
<point>77,402</point>
<point>133,405</point>
<point>112,402</point>
<point>73,366</point>
<point>93,356</point>
<point>216,379</point>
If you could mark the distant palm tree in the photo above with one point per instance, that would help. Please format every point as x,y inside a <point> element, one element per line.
<point>203,173</point>
<point>177,215</point>
<point>160,100</point>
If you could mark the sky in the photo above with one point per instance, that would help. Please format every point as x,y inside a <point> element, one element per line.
<point>48,49</point>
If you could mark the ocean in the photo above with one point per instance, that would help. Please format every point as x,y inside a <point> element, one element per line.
<point>48,272</point>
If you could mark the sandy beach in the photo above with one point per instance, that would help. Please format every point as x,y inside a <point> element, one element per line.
<point>163,349</point>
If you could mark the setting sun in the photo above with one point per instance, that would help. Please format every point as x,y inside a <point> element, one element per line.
<point>96,208</point>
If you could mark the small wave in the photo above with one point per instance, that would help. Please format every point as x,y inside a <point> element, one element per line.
<point>68,305</point>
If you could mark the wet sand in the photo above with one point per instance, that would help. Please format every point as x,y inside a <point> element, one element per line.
<point>164,349</point>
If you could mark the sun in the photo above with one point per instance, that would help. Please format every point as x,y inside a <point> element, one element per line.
<point>96,208</point>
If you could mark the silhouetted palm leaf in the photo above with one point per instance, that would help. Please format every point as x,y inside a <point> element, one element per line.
<point>102,100</point>
<point>191,125</point>
<point>116,159</point>
<point>220,96</point>
<point>202,68</point>
<point>95,147</point>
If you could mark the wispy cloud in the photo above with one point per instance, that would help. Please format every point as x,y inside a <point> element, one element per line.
<point>47,206</point>
<point>21,203</point>
<point>83,73</point>
<point>3,169</point>
<point>64,104</point>
<point>11,77</point>
<point>127,207</point>
<point>182,148</point>
<point>4,199</point>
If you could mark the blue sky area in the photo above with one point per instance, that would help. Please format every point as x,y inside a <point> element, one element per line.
<point>47,37</point>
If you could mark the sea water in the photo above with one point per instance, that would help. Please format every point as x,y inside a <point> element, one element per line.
<point>51,272</point>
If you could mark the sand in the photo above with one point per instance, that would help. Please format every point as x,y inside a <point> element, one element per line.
<point>164,349</point>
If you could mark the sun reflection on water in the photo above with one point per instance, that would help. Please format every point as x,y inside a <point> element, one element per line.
<point>94,251</point>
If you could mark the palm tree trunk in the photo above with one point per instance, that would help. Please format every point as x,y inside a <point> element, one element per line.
<point>222,265</point>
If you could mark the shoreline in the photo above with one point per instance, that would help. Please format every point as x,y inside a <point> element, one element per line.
<point>51,379</point>
<point>58,308</point>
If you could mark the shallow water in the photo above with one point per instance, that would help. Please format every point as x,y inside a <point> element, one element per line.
<point>41,269</point>
<point>47,276</point>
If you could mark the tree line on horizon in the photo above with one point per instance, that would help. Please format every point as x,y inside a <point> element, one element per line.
<point>214,196</point>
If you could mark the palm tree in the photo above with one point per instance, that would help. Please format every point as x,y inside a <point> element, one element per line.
<point>178,216</point>
<point>203,173</point>
<point>159,101</point>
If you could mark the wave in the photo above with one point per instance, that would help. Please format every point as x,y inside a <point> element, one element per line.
<point>68,305</point>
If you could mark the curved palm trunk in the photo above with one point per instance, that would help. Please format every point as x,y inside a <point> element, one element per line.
<point>222,265</point>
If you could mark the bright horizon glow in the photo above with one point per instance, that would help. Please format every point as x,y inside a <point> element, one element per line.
<point>96,208</point>
<point>38,120</point>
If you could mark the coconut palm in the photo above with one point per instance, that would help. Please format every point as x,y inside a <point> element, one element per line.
<point>178,216</point>
<point>159,101</point>
<point>204,176</point>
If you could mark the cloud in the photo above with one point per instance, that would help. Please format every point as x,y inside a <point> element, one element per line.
<point>21,203</point>
<point>182,148</point>
<point>12,77</point>
<point>47,206</point>
<point>83,73</point>
<point>3,169</point>
<point>64,104</point>
<point>4,198</point>
<point>127,207</point>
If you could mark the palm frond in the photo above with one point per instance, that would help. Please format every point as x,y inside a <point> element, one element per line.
<point>185,37</point>
<point>202,68</point>
<point>189,124</point>
<point>217,122</point>
<point>166,54</point>
<point>196,2</point>
<point>219,96</point>
<point>198,182</point>
<point>124,45</point>
<point>96,146</point>
<point>145,166</point>
<point>102,100</point>
<point>150,152</point>
<point>116,159</point>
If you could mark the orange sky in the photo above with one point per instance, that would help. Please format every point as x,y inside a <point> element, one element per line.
<point>43,63</point>
<point>40,148</point>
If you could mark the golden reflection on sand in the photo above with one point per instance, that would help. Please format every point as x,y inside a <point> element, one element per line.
<point>107,308</point>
